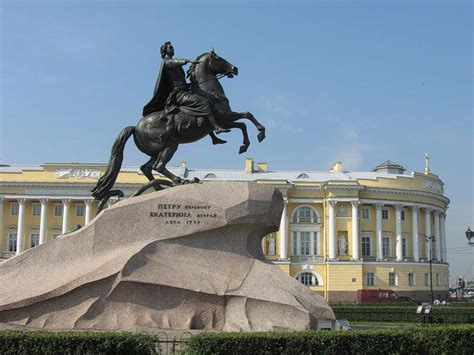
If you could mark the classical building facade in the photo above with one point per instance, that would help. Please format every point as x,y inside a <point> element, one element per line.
<point>340,232</point>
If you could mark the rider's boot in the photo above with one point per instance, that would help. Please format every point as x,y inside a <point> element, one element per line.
<point>216,140</point>
<point>218,129</point>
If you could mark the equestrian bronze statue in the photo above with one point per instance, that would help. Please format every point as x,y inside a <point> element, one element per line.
<point>178,113</point>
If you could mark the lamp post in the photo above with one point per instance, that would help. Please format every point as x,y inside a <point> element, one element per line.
<point>430,239</point>
<point>470,237</point>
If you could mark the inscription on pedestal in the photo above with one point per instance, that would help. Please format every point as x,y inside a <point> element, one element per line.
<point>175,213</point>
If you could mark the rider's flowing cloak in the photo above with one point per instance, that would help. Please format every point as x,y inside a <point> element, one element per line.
<point>160,94</point>
<point>184,100</point>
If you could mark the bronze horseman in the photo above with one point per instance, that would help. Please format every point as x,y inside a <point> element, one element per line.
<point>178,113</point>
<point>172,93</point>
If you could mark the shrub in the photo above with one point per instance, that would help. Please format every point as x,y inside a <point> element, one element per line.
<point>439,314</point>
<point>43,342</point>
<point>420,340</point>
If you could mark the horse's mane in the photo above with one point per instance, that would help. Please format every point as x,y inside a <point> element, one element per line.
<point>192,68</point>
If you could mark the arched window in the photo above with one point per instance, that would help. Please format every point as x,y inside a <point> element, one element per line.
<point>305,214</point>
<point>303,176</point>
<point>307,278</point>
<point>210,176</point>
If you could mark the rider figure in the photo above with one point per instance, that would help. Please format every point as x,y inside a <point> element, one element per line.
<point>172,93</point>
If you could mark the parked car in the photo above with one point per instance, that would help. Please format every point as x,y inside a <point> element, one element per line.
<point>380,295</point>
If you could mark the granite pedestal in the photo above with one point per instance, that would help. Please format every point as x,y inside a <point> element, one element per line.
<point>187,257</point>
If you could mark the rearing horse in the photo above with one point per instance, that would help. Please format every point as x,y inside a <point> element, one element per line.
<point>146,134</point>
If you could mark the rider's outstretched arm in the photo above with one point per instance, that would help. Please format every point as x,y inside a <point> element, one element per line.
<point>173,63</point>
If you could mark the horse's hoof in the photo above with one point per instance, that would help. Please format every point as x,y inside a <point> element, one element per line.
<point>178,181</point>
<point>261,136</point>
<point>196,180</point>
<point>243,149</point>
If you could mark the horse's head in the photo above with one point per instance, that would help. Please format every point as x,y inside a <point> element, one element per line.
<point>213,64</point>
<point>219,65</point>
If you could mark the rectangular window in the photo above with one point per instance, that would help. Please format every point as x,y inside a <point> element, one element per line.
<point>80,210</point>
<point>366,247</point>
<point>55,235</point>
<point>386,246</point>
<point>392,279</point>
<point>370,279</point>
<point>427,279</point>
<point>365,213</point>
<point>404,247</point>
<point>411,279</point>
<point>36,209</point>
<point>58,210</point>
<point>402,215</point>
<point>315,237</point>
<point>295,244</point>
<point>384,214</point>
<point>12,242</point>
<point>14,209</point>
<point>34,240</point>
<point>305,243</point>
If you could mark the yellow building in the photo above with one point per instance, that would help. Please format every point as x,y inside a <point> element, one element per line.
<point>340,231</point>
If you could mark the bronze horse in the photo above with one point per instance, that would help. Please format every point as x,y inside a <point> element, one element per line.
<point>147,134</point>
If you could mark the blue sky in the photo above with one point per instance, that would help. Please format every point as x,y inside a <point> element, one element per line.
<point>359,81</point>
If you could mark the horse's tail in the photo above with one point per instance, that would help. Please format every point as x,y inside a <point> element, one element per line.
<point>106,181</point>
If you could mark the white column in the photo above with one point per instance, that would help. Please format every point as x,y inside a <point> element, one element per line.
<point>43,220</point>
<point>378,229</point>
<point>65,214</point>
<point>317,236</point>
<point>355,230</point>
<point>298,244</point>
<point>283,232</point>
<point>414,232</point>
<point>21,225</point>
<point>1,224</point>
<point>332,230</point>
<point>444,255</point>
<point>427,231</point>
<point>437,236</point>
<point>398,231</point>
<point>88,214</point>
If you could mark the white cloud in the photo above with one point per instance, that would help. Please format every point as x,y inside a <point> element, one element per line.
<point>284,114</point>
<point>282,125</point>
<point>282,106</point>
<point>351,148</point>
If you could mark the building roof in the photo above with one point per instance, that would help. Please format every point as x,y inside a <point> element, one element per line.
<point>74,176</point>
<point>184,171</point>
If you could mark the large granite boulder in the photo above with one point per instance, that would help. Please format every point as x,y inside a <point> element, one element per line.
<point>187,257</point>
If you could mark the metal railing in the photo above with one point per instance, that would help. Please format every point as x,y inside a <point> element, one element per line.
<point>7,254</point>
<point>305,220</point>
<point>174,345</point>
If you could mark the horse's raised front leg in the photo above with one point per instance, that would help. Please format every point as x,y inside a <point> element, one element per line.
<point>243,148</point>
<point>233,116</point>
<point>163,159</point>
